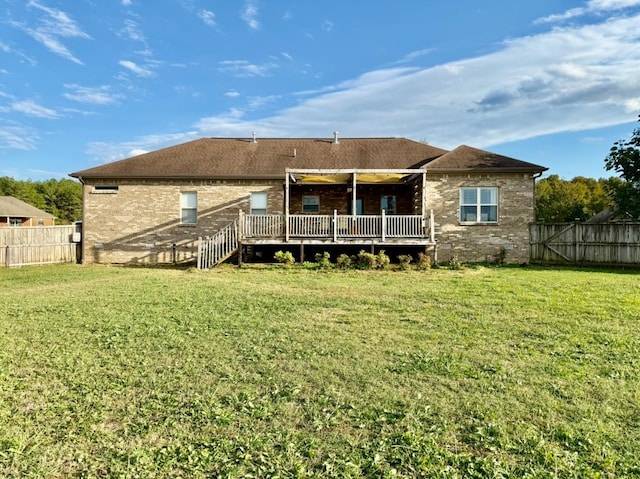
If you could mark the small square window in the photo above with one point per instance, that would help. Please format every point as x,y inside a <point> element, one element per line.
<point>310,204</point>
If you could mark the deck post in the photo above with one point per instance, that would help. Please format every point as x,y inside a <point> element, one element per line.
<point>199,263</point>
<point>301,252</point>
<point>432,227</point>
<point>240,225</point>
<point>286,205</point>
<point>354,195</point>
<point>424,197</point>
<point>383,229</point>
<point>335,226</point>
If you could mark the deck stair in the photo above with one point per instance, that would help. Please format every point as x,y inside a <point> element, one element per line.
<point>218,248</point>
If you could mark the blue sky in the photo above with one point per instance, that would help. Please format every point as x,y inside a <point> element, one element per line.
<point>84,82</point>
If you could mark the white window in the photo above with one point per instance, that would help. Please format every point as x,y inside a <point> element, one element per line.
<point>258,203</point>
<point>479,205</point>
<point>15,221</point>
<point>388,204</point>
<point>310,204</point>
<point>188,207</point>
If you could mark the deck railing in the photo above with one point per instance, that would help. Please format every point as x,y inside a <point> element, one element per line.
<point>337,226</point>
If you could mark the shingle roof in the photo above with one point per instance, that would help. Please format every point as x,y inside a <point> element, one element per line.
<point>472,159</point>
<point>269,157</point>
<point>10,206</point>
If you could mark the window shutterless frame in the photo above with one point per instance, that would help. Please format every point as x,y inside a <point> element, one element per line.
<point>188,207</point>
<point>479,205</point>
<point>258,203</point>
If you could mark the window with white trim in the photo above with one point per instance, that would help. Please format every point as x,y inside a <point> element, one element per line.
<point>479,205</point>
<point>188,207</point>
<point>258,203</point>
<point>310,204</point>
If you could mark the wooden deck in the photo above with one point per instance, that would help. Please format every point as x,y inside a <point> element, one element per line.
<point>337,229</point>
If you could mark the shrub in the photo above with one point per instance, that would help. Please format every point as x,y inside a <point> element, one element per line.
<point>344,261</point>
<point>382,260</point>
<point>502,256</point>
<point>323,260</point>
<point>284,257</point>
<point>454,263</point>
<point>404,261</point>
<point>424,262</point>
<point>366,260</point>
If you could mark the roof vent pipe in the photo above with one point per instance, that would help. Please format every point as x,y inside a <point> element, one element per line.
<point>254,137</point>
<point>335,137</point>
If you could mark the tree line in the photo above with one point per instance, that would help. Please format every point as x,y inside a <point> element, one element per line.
<point>62,198</point>
<point>557,200</point>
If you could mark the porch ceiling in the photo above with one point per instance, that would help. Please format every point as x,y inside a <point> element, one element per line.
<point>347,176</point>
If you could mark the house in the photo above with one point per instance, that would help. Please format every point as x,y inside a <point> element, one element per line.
<point>14,212</point>
<point>307,194</point>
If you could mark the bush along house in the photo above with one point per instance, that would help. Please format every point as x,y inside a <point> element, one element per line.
<point>213,198</point>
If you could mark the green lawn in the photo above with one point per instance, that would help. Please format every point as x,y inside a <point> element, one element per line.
<point>484,372</point>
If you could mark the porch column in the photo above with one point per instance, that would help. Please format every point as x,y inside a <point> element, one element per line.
<point>354,196</point>
<point>424,199</point>
<point>286,205</point>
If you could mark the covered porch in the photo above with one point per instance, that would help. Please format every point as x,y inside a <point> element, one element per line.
<point>351,206</point>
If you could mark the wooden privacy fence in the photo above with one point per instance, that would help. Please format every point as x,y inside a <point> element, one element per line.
<point>607,243</point>
<point>22,246</point>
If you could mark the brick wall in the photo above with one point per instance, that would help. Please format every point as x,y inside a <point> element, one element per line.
<point>482,242</point>
<point>139,223</point>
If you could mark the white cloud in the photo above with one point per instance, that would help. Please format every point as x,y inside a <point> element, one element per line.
<point>244,69</point>
<point>31,108</point>
<point>18,138</point>
<point>250,15</point>
<point>570,78</point>
<point>256,102</point>
<point>208,17</point>
<point>287,56</point>
<point>567,79</point>
<point>126,2</point>
<point>409,57</point>
<point>137,69</point>
<point>100,95</point>
<point>55,25</point>
<point>327,26</point>
<point>232,94</point>
<point>593,6</point>
<point>103,152</point>
<point>131,30</point>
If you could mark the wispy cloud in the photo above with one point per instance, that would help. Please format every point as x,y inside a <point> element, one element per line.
<point>208,17</point>
<point>51,28</point>
<point>126,2</point>
<point>232,94</point>
<point>256,102</point>
<point>250,15</point>
<point>131,30</point>
<point>137,69</point>
<point>592,7</point>
<point>244,69</point>
<point>327,26</point>
<point>287,56</point>
<point>100,95</point>
<point>411,56</point>
<point>33,109</point>
<point>18,138</point>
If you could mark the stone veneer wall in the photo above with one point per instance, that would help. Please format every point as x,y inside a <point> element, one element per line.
<point>482,242</point>
<point>140,223</point>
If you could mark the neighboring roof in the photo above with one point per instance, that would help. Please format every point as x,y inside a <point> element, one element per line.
<point>472,159</point>
<point>269,157</point>
<point>10,206</point>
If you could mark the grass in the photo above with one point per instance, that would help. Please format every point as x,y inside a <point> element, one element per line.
<point>486,372</point>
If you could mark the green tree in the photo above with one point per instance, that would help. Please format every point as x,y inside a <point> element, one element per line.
<point>624,158</point>
<point>61,198</point>
<point>559,200</point>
